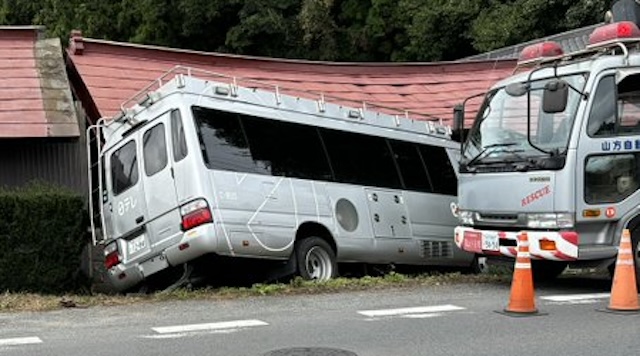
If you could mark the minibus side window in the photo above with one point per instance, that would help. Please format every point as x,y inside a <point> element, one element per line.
<point>124,168</point>
<point>441,172</point>
<point>178,139</point>
<point>155,150</point>
<point>411,167</point>
<point>361,159</point>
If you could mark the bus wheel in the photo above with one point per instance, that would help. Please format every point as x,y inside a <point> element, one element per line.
<point>316,259</point>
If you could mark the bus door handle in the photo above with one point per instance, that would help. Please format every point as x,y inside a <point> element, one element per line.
<point>139,219</point>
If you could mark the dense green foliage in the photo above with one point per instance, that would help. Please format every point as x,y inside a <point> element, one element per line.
<point>343,30</point>
<point>42,230</point>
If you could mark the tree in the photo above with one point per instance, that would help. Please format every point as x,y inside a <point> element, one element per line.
<point>319,30</point>
<point>266,28</point>
<point>441,31</point>
<point>505,23</point>
<point>18,12</point>
<point>96,18</point>
<point>337,30</point>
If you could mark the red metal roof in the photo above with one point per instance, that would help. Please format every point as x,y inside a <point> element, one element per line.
<point>114,72</point>
<point>28,86</point>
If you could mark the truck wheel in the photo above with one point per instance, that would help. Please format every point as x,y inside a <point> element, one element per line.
<point>316,259</point>
<point>547,270</point>
<point>479,265</point>
<point>635,248</point>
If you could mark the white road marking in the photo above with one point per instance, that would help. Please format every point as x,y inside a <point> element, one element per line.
<point>414,312</point>
<point>422,316</point>
<point>20,341</point>
<point>576,298</point>
<point>225,325</point>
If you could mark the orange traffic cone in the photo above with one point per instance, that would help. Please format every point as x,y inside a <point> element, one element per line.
<point>522,300</point>
<point>624,293</point>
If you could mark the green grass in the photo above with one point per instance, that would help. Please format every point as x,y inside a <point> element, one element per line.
<point>18,302</point>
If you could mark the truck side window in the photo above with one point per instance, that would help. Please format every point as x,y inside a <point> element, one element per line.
<point>629,104</point>
<point>602,119</point>
<point>611,178</point>
<point>124,168</point>
<point>154,150</point>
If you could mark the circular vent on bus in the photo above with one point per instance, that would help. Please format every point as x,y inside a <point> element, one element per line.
<point>347,215</point>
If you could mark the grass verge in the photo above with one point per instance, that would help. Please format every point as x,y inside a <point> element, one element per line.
<point>21,302</point>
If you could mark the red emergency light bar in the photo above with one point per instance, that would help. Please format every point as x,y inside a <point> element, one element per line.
<point>539,52</point>
<point>623,31</point>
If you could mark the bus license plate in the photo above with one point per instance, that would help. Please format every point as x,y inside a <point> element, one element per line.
<point>137,244</point>
<point>490,241</point>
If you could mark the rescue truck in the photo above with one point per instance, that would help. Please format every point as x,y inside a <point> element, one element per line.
<point>555,152</point>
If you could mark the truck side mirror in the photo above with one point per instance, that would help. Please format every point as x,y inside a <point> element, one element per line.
<point>458,123</point>
<point>555,96</point>
<point>458,117</point>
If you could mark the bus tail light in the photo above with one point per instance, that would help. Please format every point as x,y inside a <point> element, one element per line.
<point>112,255</point>
<point>195,214</point>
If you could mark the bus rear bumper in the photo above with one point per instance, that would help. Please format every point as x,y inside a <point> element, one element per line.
<point>194,243</point>
<point>543,245</point>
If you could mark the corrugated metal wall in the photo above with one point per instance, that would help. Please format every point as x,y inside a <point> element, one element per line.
<point>59,161</point>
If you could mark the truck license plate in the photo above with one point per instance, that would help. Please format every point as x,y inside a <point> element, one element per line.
<point>490,241</point>
<point>472,242</point>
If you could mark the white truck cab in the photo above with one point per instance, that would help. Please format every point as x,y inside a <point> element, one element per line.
<point>555,152</point>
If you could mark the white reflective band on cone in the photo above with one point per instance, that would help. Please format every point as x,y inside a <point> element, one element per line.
<point>523,243</point>
<point>524,254</point>
<point>521,265</point>
<point>624,263</point>
<point>626,251</point>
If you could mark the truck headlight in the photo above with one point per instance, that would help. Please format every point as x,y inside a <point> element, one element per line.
<point>466,217</point>
<point>550,221</point>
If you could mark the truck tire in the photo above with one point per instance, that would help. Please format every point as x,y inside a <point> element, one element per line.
<point>316,260</point>
<point>479,265</point>
<point>547,270</point>
<point>635,249</point>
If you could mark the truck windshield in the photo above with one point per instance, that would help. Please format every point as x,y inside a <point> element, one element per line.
<point>499,134</point>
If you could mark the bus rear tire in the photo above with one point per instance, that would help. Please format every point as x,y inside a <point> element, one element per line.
<point>316,259</point>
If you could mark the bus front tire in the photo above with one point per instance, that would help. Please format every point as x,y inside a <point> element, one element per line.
<point>316,259</point>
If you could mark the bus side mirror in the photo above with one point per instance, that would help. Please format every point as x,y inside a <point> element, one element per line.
<point>555,96</point>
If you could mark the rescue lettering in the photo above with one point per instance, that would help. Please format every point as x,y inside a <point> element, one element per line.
<point>536,195</point>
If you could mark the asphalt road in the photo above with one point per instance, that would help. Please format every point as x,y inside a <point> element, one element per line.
<point>442,320</point>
